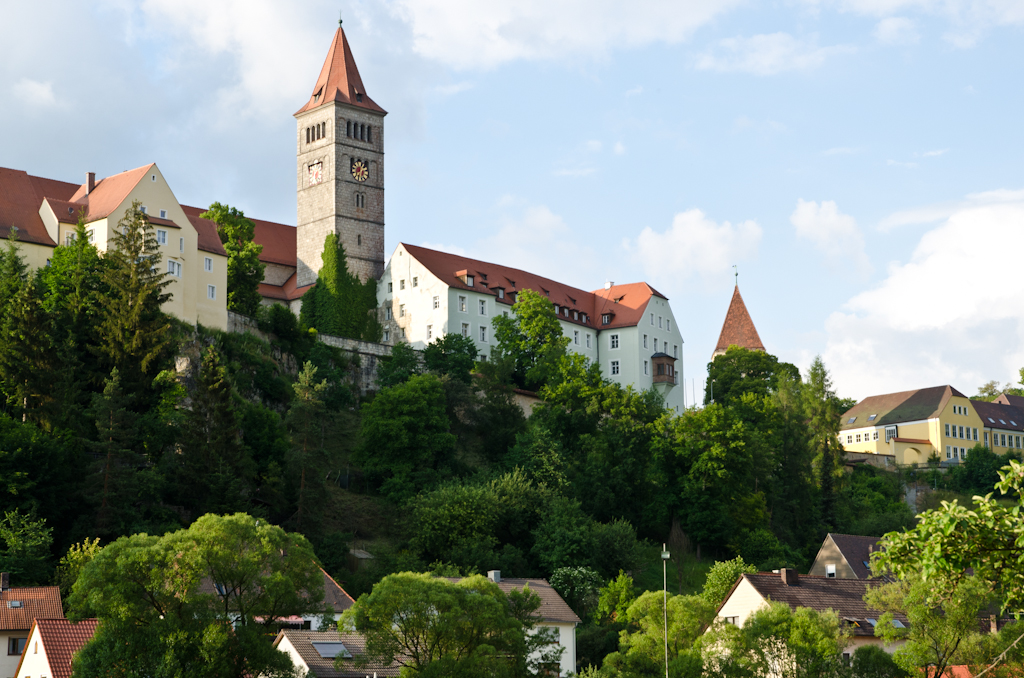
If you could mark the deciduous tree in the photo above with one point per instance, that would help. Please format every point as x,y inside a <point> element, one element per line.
<point>245,270</point>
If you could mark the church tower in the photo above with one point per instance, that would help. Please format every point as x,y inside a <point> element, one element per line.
<point>738,328</point>
<point>340,169</point>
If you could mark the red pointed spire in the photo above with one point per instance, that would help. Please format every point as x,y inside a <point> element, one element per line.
<point>339,79</point>
<point>738,329</point>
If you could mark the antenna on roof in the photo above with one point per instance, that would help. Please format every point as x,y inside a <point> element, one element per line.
<point>737,272</point>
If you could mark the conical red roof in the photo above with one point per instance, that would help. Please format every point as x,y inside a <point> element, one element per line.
<point>738,329</point>
<point>339,80</point>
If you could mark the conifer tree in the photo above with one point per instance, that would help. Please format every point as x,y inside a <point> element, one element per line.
<point>308,459</point>
<point>133,331</point>
<point>245,270</point>
<point>26,351</point>
<point>821,407</point>
<point>213,470</point>
<point>339,304</point>
<point>115,486</point>
<point>13,270</point>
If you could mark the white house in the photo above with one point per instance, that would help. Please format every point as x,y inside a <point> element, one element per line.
<point>629,330</point>
<point>51,647</point>
<point>19,607</point>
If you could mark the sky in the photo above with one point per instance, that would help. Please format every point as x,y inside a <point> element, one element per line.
<point>858,161</point>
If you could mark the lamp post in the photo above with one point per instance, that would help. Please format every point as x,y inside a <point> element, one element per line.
<point>664,584</point>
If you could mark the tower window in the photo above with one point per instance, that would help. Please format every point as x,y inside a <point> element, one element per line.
<point>369,133</point>
<point>359,240</point>
<point>359,96</point>
<point>348,128</point>
<point>362,132</point>
<point>307,135</point>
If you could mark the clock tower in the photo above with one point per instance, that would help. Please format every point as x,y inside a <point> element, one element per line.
<point>340,169</point>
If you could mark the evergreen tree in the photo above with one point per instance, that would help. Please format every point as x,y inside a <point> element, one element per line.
<point>134,333</point>
<point>213,470</point>
<point>245,270</point>
<point>13,270</point>
<point>822,411</point>
<point>308,459</point>
<point>26,351</point>
<point>339,304</point>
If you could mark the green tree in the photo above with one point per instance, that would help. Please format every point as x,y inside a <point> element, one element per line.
<point>245,270</point>
<point>871,661</point>
<point>739,371</point>
<point>936,632</point>
<point>308,458</point>
<point>580,587</point>
<point>452,354</point>
<point>398,367</point>
<point>134,332</point>
<point>339,304</point>
<point>456,523</point>
<point>530,340</point>
<point>25,548</point>
<point>71,565</point>
<point>163,601</point>
<point>615,598</point>
<point>27,352</point>
<point>722,577</point>
<point>822,409</point>
<point>406,440</point>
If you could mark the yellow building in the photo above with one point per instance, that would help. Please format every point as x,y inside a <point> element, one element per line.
<point>45,213</point>
<point>912,425</point>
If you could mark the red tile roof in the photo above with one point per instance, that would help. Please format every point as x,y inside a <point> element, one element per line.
<point>1007,399</point>
<point>1000,416</point>
<point>738,329</point>
<point>286,292</point>
<point>209,241</point>
<point>62,639</point>
<point>20,198</point>
<point>323,667</point>
<point>627,311</point>
<point>109,192</point>
<point>278,240</point>
<point>36,601</point>
<point>339,79</point>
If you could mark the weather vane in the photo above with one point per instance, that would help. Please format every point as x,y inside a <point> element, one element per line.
<point>339,17</point>
<point>737,273</point>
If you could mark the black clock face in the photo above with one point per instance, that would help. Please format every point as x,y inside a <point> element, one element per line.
<point>360,171</point>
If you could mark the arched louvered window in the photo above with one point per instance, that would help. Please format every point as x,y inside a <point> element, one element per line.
<point>369,133</point>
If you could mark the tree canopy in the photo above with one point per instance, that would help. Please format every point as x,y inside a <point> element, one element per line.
<point>245,270</point>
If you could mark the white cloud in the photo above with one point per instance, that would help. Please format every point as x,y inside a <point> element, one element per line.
<point>694,246</point>
<point>944,317</point>
<point>932,213</point>
<point>835,234</point>
<point>635,91</point>
<point>575,171</point>
<point>455,88</point>
<point>896,30</point>
<point>899,163</point>
<point>840,150</point>
<point>767,54</point>
<point>594,146</point>
<point>469,34</point>
<point>935,154</point>
<point>620,148</point>
<point>34,93</point>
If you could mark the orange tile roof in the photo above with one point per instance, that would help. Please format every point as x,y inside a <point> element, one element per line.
<point>108,193</point>
<point>339,79</point>
<point>209,241</point>
<point>20,197</point>
<point>36,601</point>
<point>62,639</point>
<point>632,298</point>
<point>738,329</point>
<point>278,240</point>
<point>286,292</point>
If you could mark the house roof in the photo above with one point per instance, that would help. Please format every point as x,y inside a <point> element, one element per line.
<point>552,608</point>
<point>339,79</point>
<point>738,329</point>
<point>895,408</point>
<point>999,415</point>
<point>323,667</point>
<point>844,596</point>
<point>21,195</point>
<point>289,291</point>
<point>626,303</point>
<point>61,639</point>
<point>857,550</point>
<point>278,240</point>
<point>108,193</point>
<point>209,240</point>
<point>1007,399</point>
<point>36,601</point>
<point>335,597</point>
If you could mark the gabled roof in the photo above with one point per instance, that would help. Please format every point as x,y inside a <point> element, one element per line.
<point>335,597</point>
<point>844,596</point>
<point>339,79</point>
<point>209,240</point>
<point>61,639</point>
<point>108,193</point>
<point>999,415</point>
<point>289,291</point>
<point>323,667</point>
<point>856,550</point>
<point>1007,399</point>
<point>552,608</point>
<point>627,311</point>
<point>895,408</point>
<point>738,329</point>
<point>35,601</point>
<point>278,240</point>
<point>21,195</point>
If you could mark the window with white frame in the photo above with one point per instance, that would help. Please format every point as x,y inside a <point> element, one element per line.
<point>645,367</point>
<point>947,429</point>
<point>1002,440</point>
<point>961,428</point>
<point>615,367</point>
<point>174,268</point>
<point>401,284</point>
<point>588,339</point>
<point>576,337</point>
<point>857,438</point>
<point>430,332</point>
<point>391,287</point>
<point>483,333</point>
<point>465,329</point>
<point>949,452</point>
<point>659,322</point>
<point>668,324</point>
<point>181,244</point>
<point>849,439</point>
<point>645,341</point>
<point>655,344</point>
<point>144,209</point>
<point>387,313</point>
<point>91,234</point>
<point>830,570</point>
<point>501,293</point>
<point>875,436</point>
<point>401,310</point>
<point>613,341</point>
<point>163,214</point>
<point>652,320</point>
<point>675,350</point>
<point>211,291</point>
<point>986,438</point>
<point>975,434</point>
<point>437,302</point>
<point>415,281</point>
<point>462,303</point>
<point>161,236</point>
<point>207,264</point>
<point>387,336</point>
<point>483,307</point>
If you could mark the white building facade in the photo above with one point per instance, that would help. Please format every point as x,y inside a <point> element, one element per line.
<point>629,330</point>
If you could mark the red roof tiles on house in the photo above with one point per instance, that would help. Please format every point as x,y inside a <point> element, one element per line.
<point>278,240</point>
<point>552,609</point>
<point>857,550</point>
<point>109,193</point>
<point>339,79</point>
<point>35,601</point>
<point>209,240</point>
<point>20,198</point>
<point>323,667</point>
<point>738,329</point>
<point>62,639</point>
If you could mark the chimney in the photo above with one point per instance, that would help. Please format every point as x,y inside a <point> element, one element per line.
<point>494,575</point>
<point>90,182</point>
<point>5,581</point>
<point>789,576</point>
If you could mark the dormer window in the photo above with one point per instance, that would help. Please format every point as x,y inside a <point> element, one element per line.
<point>316,97</point>
<point>501,292</point>
<point>359,96</point>
<point>606,318</point>
<point>465,276</point>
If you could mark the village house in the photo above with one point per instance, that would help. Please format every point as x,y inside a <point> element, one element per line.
<point>52,645</point>
<point>18,608</point>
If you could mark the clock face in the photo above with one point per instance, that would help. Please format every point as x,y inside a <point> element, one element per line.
<point>359,170</point>
<point>316,173</point>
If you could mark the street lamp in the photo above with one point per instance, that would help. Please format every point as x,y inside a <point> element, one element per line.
<point>664,581</point>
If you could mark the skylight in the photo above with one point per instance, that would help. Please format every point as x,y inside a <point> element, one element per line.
<point>873,622</point>
<point>1013,423</point>
<point>1002,422</point>
<point>992,420</point>
<point>851,420</point>
<point>331,650</point>
<point>898,624</point>
<point>872,417</point>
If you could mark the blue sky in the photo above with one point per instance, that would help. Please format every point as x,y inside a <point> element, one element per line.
<point>859,160</point>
